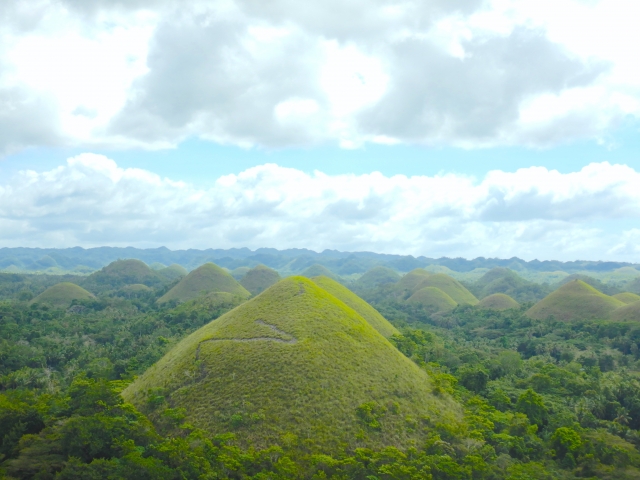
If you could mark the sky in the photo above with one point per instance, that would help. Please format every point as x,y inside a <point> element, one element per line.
<point>457,128</point>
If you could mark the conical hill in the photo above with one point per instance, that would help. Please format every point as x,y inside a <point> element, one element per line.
<point>295,360</point>
<point>259,278</point>
<point>412,280</point>
<point>173,272</point>
<point>575,301</point>
<point>366,311</point>
<point>451,287</point>
<point>377,276</point>
<point>124,272</point>
<point>203,280</point>
<point>433,300</point>
<point>498,301</point>
<point>62,294</point>
<point>627,297</point>
<point>317,270</point>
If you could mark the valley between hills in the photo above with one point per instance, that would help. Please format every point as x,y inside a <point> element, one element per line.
<point>342,366</point>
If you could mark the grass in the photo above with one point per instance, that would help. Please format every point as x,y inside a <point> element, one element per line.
<point>627,313</point>
<point>318,271</point>
<point>451,287</point>
<point>432,299</point>
<point>239,272</point>
<point>575,300</point>
<point>125,272</point>
<point>377,276</point>
<point>498,301</point>
<point>412,280</point>
<point>366,311</point>
<point>259,278</point>
<point>305,392</point>
<point>62,294</point>
<point>627,297</point>
<point>173,271</point>
<point>203,280</point>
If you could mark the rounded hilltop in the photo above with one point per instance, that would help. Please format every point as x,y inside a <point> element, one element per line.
<point>206,279</point>
<point>296,361</point>
<point>377,276</point>
<point>498,301</point>
<point>259,278</point>
<point>450,286</point>
<point>575,300</point>
<point>124,272</point>
<point>62,295</point>
<point>433,300</point>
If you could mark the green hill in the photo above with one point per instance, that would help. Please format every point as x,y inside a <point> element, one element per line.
<point>318,271</point>
<point>432,299</point>
<point>450,286</point>
<point>366,311</point>
<point>203,280</point>
<point>239,272</point>
<point>575,300</point>
<point>594,282</point>
<point>504,280</point>
<point>412,280</point>
<point>62,294</point>
<point>259,278</point>
<point>627,297</point>
<point>377,276</point>
<point>124,272</point>
<point>627,313</point>
<point>296,361</point>
<point>498,301</point>
<point>173,272</point>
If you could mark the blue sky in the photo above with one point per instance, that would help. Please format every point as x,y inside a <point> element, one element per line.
<point>498,127</point>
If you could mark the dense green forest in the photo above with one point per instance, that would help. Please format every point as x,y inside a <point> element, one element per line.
<point>538,398</point>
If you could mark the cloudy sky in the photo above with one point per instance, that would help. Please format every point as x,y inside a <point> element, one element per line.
<point>433,127</point>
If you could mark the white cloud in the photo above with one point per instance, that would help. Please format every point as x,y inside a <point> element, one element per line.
<point>531,213</point>
<point>471,73</point>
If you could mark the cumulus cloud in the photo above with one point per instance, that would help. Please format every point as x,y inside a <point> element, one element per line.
<point>472,73</point>
<point>531,213</point>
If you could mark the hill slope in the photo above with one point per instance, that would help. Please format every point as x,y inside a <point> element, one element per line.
<point>504,280</point>
<point>627,313</point>
<point>575,300</point>
<point>295,360</point>
<point>203,280</point>
<point>627,297</point>
<point>62,294</point>
<point>124,272</point>
<point>451,287</point>
<point>366,311</point>
<point>498,301</point>
<point>317,270</point>
<point>432,299</point>
<point>377,276</point>
<point>412,280</point>
<point>259,278</point>
<point>173,272</point>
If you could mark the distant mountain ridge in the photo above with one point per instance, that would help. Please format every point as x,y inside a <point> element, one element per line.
<point>294,260</point>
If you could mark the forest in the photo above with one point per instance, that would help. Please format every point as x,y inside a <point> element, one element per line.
<point>525,380</point>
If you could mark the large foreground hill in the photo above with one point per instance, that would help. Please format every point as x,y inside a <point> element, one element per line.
<point>296,361</point>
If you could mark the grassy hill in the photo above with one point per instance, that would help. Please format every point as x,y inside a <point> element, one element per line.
<point>498,301</point>
<point>504,280</point>
<point>575,300</point>
<point>627,313</point>
<point>627,297</point>
<point>203,280</point>
<point>412,280</point>
<point>173,272</point>
<point>450,286</point>
<point>124,272</point>
<point>366,311</point>
<point>433,300</point>
<point>594,282</point>
<point>318,271</point>
<point>259,278</point>
<point>377,276</point>
<point>62,294</point>
<point>296,363</point>
<point>239,272</point>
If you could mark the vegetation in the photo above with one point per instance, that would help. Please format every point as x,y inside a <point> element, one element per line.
<point>432,299</point>
<point>410,282</point>
<point>627,297</point>
<point>468,393</point>
<point>62,295</point>
<point>123,272</point>
<point>318,271</point>
<point>508,282</point>
<point>575,300</point>
<point>204,280</point>
<point>173,272</point>
<point>259,278</point>
<point>450,286</point>
<point>498,301</point>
